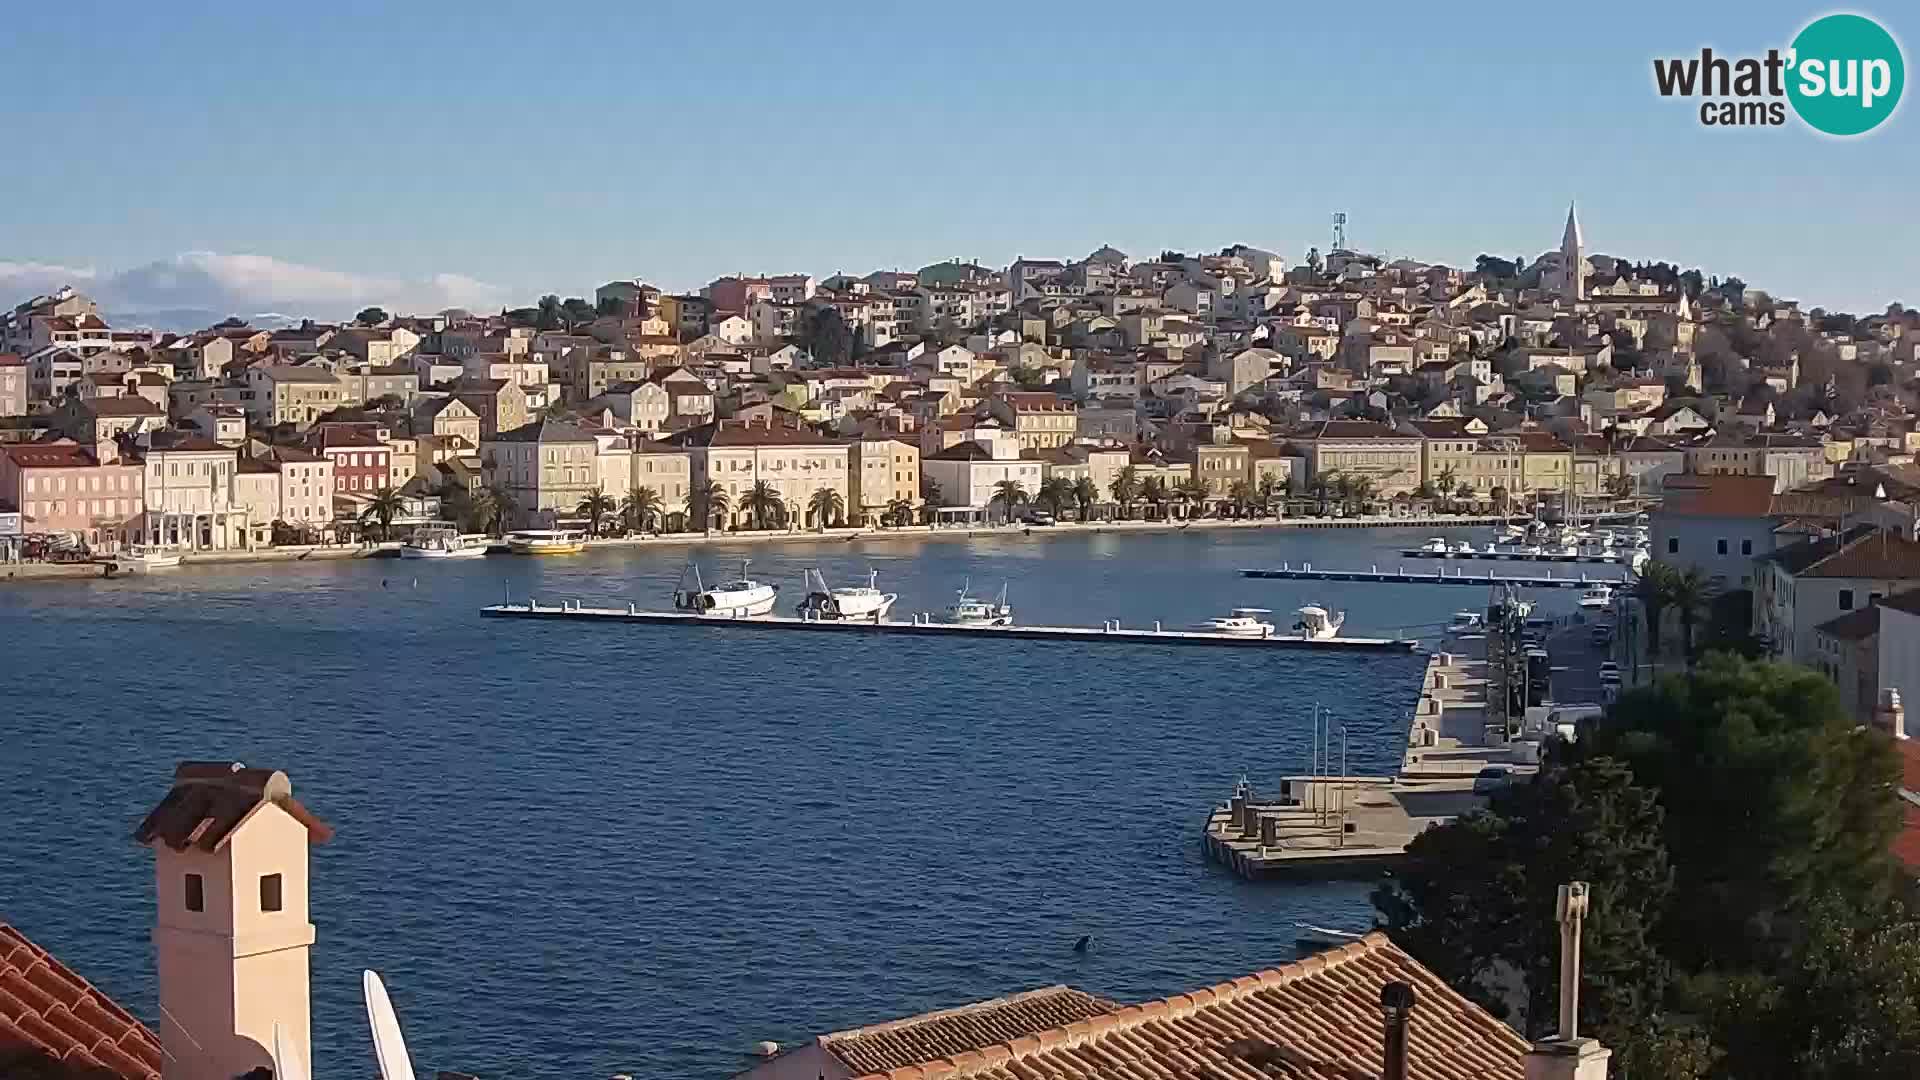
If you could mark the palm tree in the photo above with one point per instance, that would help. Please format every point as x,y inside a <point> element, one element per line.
<point>1010,494</point>
<point>597,507</point>
<point>1085,494</point>
<point>1444,485</point>
<point>1502,502</point>
<point>477,511</point>
<point>1323,487</point>
<point>1269,490</point>
<point>1055,494</point>
<point>705,500</point>
<point>1689,591</point>
<point>1241,497</point>
<point>1125,489</point>
<point>827,506</point>
<point>762,502</point>
<point>1156,493</point>
<point>1463,491</point>
<point>1361,490</point>
<point>1654,591</point>
<point>929,499</point>
<point>385,505</point>
<point>1193,492</point>
<point>642,509</point>
<point>899,512</point>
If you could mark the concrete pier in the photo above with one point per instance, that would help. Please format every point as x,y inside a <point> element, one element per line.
<point>1318,827</point>
<point>1402,576</point>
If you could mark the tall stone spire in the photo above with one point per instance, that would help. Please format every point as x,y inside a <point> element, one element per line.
<point>1573,264</point>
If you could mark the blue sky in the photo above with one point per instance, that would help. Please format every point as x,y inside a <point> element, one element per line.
<point>472,152</point>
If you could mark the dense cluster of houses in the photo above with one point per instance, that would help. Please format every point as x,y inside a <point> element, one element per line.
<point>918,396</point>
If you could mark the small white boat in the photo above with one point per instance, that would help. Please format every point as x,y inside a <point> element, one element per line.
<point>1466,622</point>
<point>1560,549</point>
<point>546,542</point>
<point>971,611</point>
<point>1437,545</point>
<point>852,602</point>
<point>1510,533</point>
<point>1240,622</point>
<point>1462,547</point>
<point>145,558</point>
<point>1316,623</point>
<point>744,598</point>
<point>1596,596</point>
<point>439,543</point>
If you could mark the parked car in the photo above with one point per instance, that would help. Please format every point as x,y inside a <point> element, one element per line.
<point>1039,517</point>
<point>1491,779</point>
<point>1602,634</point>
<point>1609,673</point>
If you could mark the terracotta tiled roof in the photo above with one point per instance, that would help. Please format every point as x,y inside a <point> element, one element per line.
<point>917,1040</point>
<point>1314,1019</point>
<point>1857,625</point>
<point>1863,551</point>
<point>209,799</point>
<point>1718,496</point>
<point>54,1024</point>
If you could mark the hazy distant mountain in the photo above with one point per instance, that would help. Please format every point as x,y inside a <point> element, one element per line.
<point>187,320</point>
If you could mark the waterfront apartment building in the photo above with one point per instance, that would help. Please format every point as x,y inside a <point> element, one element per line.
<point>306,486</point>
<point>1804,585</point>
<point>362,464</point>
<point>546,467</point>
<point>1362,448</point>
<point>290,395</point>
<point>969,473</point>
<point>87,491</point>
<point>188,491</point>
<point>667,469</point>
<point>884,468</point>
<point>775,448</point>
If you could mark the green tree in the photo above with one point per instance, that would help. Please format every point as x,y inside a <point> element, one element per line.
<point>385,505</point>
<point>828,338</point>
<point>1085,494</point>
<point>576,312</point>
<point>642,509</point>
<point>1322,488</point>
<point>1055,493</point>
<point>899,512</point>
<point>1241,497</point>
<point>1476,899</point>
<point>1444,484</point>
<point>827,506</point>
<point>1010,495</point>
<point>1502,501</point>
<point>1689,594</point>
<point>1270,493</point>
<point>1192,491</point>
<point>763,504</point>
<point>549,313</point>
<point>1772,795</point>
<point>1653,590</point>
<point>371,316</point>
<point>1125,489</point>
<point>929,498</point>
<point>597,507</point>
<point>1155,492</point>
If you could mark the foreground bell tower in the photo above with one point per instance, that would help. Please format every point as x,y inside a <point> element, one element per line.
<point>232,934</point>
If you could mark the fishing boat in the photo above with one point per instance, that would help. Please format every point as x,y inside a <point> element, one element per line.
<point>1596,596</point>
<point>143,559</point>
<point>1312,939</point>
<point>1240,622</point>
<point>969,610</point>
<point>546,542</point>
<point>441,543</point>
<point>852,602</point>
<point>1316,623</point>
<point>1462,547</point>
<point>743,598</point>
<point>1437,545</point>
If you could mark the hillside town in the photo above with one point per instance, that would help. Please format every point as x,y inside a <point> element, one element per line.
<point>1228,384</point>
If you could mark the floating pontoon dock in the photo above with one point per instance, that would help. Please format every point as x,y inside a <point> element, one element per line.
<point>1399,576</point>
<point>923,625</point>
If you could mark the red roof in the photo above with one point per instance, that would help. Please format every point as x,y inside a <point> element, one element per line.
<point>1313,1019</point>
<point>1906,846</point>
<point>53,1023</point>
<point>935,1035</point>
<point>59,455</point>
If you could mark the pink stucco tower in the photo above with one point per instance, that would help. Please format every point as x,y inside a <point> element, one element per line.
<point>232,935</point>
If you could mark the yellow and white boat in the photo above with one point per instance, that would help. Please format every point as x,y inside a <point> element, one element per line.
<point>546,542</point>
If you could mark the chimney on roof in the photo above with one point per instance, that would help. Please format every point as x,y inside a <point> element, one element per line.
<point>1566,1056</point>
<point>1396,1006</point>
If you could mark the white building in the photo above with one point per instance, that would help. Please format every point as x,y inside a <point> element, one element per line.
<point>189,495</point>
<point>1809,583</point>
<point>969,473</point>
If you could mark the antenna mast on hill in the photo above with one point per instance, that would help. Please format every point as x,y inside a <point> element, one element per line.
<point>1339,230</point>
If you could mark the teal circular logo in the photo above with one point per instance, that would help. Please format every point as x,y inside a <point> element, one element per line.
<point>1847,74</point>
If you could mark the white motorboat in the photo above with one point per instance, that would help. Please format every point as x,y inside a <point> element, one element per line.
<point>743,598</point>
<point>1462,547</point>
<point>1316,623</point>
<point>968,610</point>
<point>1466,622</point>
<point>1511,533</point>
<point>1240,622</point>
<point>441,543</point>
<point>852,602</point>
<point>1437,545</point>
<point>1596,596</point>
<point>1560,548</point>
<point>145,558</point>
<point>546,542</point>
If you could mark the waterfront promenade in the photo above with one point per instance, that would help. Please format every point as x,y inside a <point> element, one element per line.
<point>41,571</point>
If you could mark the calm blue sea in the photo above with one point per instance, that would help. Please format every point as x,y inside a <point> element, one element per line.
<point>582,850</point>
